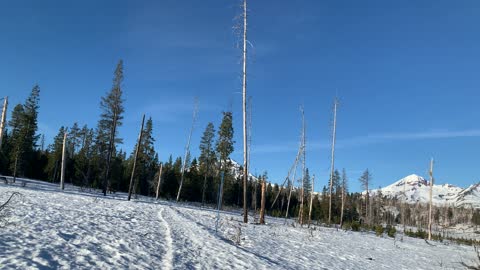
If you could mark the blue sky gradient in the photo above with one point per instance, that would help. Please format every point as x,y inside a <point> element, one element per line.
<point>406,74</point>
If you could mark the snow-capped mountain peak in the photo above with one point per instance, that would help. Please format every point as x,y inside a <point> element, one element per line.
<point>469,196</point>
<point>416,189</point>
<point>412,180</point>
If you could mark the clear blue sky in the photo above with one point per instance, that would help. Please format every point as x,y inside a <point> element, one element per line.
<point>406,73</point>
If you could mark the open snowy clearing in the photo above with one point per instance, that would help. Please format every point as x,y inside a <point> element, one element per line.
<point>51,229</point>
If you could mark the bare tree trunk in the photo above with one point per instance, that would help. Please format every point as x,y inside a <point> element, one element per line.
<point>204,187</point>
<point>404,202</point>
<point>343,203</point>
<point>62,174</point>
<point>219,202</point>
<point>302,191</point>
<point>187,149</point>
<point>3,119</point>
<point>159,181</point>
<point>430,205</point>
<point>370,209</point>
<point>291,189</point>
<point>311,202</point>
<point>367,216</point>
<point>54,176</point>
<point>332,165</point>
<point>15,168</point>
<point>135,159</point>
<point>262,203</point>
<point>254,198</point>
<point>245,150</point>
<point>287,179</point>
<point>249,137</point>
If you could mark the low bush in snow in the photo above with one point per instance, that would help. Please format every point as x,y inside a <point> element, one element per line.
<point>438,237</point>
<point>391,231</point>
<point>355,226</point>
<point>378,230</point>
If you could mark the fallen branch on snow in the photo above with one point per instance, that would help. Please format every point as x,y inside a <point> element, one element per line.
<point>2,207</point>
<point>474,267</point>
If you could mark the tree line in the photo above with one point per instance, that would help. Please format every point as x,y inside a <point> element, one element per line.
<point>94,160</point>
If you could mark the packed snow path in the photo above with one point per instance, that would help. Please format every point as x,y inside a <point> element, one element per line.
<point>51,229</point>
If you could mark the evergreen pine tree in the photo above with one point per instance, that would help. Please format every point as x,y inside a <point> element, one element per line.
<point>74,139</point>
<point>224,148</point>
<point>17,139</point>
<point>207,156</point>
<point>365,181</point>
<point>55,156</point>
<point>83,161</point>
<point>225,140</point>
<point>24,125</point>
<point>307,184</point>
<point>110,119</point>
<point>147,160</point>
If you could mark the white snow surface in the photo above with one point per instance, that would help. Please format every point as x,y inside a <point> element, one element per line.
<point>417,189</point>
<point>52,229</point>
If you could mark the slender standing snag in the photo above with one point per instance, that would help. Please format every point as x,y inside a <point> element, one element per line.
<point>262,203</point>
<point>292,181</point>
<point>249,138</point>
<point>254,199</point>
<point>302,190</point>
<point>430,207</point>
<point>159,181</point>
<point>204,185</point>
<point>62,174</point>
<point>3,119</point>
<point>130,187</point>
<point>344,187</point>
<point>219,203</point>
<point>244,84</point>
<point>311,202</point>
<point>287,179</point>
<point>404,202</point>
<point>15,168</point>
<point>187,148</point>
<point>332,166</point>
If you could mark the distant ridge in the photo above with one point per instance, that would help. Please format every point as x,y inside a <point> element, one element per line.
<point>417,190</point>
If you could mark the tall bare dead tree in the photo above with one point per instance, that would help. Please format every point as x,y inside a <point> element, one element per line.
<point>288,178</point>
<point>137,149</point>
<point>430,205</point>
<point>159,181</point>
<point>3,119</point>
<point>254,199</point>
<point>253,181</point>
<point>344,190</point>
<point>332,164</point>
<point>311,201</point>
<point>187,148</point>
<point>292,181</point>
<point>404,203</point>
<point>262,202</point>
<point>302,190</point>
<point>244,88</point>
<point>15,167</point>
<point>62,173</point>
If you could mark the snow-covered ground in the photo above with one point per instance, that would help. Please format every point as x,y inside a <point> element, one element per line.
<point>52,229</point>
